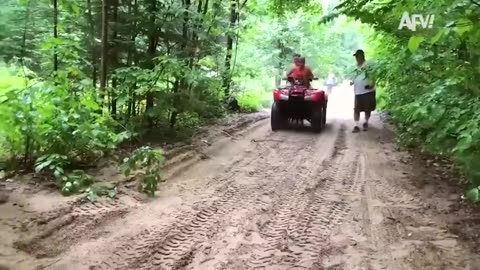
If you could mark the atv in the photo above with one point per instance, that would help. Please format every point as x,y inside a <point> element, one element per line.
<point>295,102</point>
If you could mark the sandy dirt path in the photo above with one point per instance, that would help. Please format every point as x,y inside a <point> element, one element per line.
<point>266,200</point>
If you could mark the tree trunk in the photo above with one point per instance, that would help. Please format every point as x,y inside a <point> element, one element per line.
<point>115,59</point>
<point>55,35</point>
<point>180,83</point>
<point>235,8</point>
<point>282,56</point>
<point>92,43</point>
<point>228,57</point>
<point>104,60</point>
<point>463,51</point>
<point>130,58</point>
<point>152,48</point>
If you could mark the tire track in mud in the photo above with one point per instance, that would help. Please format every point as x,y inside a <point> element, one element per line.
<point>138,250</point>
<point>187,156</point>
<point>288,191</point>
<point>173,247</point>
<point>395,230</point>
<point>422,245</point>
<point>312,160</point>
<point>67,226</point>
<point>306,216</point>
<point>323,214</point>
<point>79,221</point>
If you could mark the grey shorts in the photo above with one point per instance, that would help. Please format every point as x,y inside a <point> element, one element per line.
<point>366,102</point>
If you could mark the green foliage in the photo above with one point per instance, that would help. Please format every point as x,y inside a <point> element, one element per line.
<point>47,118</point>
<point>98,189</point>
<point>149,160</point>
<point>56,124</point>
<point>414,43</point>
<point>252,101</point>
<point>76,182</point>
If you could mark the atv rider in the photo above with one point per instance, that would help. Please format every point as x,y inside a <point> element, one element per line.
<point>295,59</point>
<point>301,72</point>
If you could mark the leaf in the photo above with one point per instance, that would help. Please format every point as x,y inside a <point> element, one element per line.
<point>57,174</point>
<point>86,82</point>
<point>112,193</point>
<point>437,36</point>
<point>43,165</point>
<point>92,196</point>
<point>414,42</point>
<point>473,194</point>
<point>462,26</point>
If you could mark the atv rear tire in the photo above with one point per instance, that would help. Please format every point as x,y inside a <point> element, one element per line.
<point>277,120</point>
<point>318,120</point>
<point>324,118</point>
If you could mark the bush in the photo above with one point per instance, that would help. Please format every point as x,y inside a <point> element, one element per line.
<point>252,101</point>
<point>150,160</point>
<point>54,125</point>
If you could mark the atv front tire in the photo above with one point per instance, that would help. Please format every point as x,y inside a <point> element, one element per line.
<point>277,120</point>
<point>318,119</point>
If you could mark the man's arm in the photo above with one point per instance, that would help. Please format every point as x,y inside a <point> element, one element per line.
<point>370,85</point>
<point>290,72</point>
<point>353,77</point>
<point>309,74</point>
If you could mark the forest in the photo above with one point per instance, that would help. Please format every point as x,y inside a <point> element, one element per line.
<point>80,79</point>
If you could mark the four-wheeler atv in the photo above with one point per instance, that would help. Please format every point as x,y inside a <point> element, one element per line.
<point>295,102</point>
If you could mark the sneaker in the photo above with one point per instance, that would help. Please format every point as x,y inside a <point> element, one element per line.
<point>356,129</point>
<point>365,126</point>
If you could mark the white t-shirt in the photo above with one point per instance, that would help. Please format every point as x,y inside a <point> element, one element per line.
<point>360,80</point>
<point>331,80</point>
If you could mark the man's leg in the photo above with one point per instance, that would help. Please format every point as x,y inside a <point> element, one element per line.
<point>367,117</point>
<point>371,107</point>
<point>356,118</point>
<point>356,115</point>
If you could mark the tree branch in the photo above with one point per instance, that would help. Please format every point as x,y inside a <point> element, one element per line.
<point>244,2</point>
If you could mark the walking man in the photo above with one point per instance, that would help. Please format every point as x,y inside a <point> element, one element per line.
<point>364,88</point>
<point>330,82</point>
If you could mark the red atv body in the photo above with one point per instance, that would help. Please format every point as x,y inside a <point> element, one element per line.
<point>297,103</point>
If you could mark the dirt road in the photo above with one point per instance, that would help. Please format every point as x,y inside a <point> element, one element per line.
<point>263,200</point>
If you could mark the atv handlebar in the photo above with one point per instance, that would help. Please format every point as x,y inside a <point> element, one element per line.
<point>291,79</point>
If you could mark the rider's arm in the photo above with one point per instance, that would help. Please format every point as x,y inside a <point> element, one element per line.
<point>289,74</point>
<point>309,74</point>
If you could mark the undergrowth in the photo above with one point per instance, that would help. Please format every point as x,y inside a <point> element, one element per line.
<point>252,101</point>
